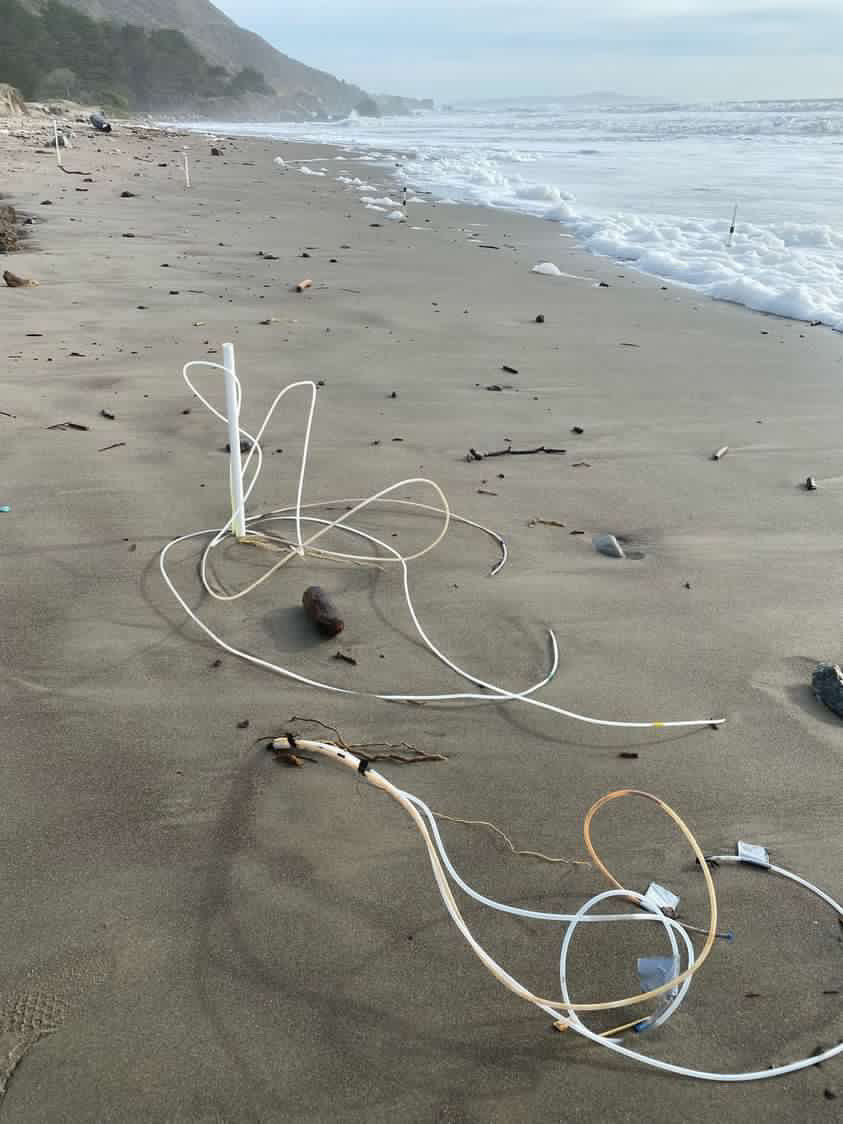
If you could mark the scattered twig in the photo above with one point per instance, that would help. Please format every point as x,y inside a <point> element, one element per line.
<point>474,455</point>
<point>545,523</point>
<point>410,757</point>
<point>345,658</point>
<point>69,425</point>
<point>107,414</point>
<point>116,445</point>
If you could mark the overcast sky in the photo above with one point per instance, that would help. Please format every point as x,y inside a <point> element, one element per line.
<point>451,49</point>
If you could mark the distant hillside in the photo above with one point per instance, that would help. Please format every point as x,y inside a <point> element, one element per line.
<point>222,43</point>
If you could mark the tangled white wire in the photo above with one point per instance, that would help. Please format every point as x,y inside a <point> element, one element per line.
<point>301,546</point>
<point>675,989</point>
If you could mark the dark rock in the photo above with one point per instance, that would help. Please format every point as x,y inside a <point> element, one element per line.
<point>540,318</point>
<point>577,429</point>
<point>128,195</point>
<point>216,152</point>
<point>827,682</point>
<point>245,445</point>
<point>603,285</point>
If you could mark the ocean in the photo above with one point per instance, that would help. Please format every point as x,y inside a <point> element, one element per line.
<point>651,185</point>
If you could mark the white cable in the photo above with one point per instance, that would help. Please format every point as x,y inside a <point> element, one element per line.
<point>442,866</point>
<point>301,546</point>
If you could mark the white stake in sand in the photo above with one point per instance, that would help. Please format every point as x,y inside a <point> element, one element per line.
<point>186,169</point>
<point>56,139</point>
<point>732,227</point>
<point>235,467</point>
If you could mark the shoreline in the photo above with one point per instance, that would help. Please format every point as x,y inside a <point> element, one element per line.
<point>199,129</point>
<point>228,939</point>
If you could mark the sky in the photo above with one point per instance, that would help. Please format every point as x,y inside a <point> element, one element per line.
<point>466,49</point>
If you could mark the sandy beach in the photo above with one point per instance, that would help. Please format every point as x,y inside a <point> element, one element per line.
<point>209,936</point>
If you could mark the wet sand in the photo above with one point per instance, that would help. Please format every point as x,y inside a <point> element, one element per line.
<point>217,938</point>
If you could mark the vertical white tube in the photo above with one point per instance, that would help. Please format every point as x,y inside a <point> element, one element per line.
<point>186,171</point>
<point>56,139</point>
<point>235,467</point>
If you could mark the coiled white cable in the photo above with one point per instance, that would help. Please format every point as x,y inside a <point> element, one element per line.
<point>442,866</point>
<point>300,546</point>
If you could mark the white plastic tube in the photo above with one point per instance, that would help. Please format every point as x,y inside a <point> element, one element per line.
<point>235,467</point>
<point>186,170</point>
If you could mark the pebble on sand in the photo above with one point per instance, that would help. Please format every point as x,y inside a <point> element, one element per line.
<point>608,545</point>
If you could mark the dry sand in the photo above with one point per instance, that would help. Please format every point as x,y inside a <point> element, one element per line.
<point>217,938</point>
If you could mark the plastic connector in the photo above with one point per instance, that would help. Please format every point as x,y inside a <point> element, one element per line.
<point>662,898</point>
<point>754,854</point>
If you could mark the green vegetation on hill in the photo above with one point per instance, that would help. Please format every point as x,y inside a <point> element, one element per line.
<point>60,52</point>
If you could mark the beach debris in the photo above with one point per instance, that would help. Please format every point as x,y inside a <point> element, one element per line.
<point>540,318</point>
<point>302,285</point>
<point>5,507</point>
<point>494,386</point>
<point>474,455</point>
<point>127,235</point>
<point>322,611</point>
<point>578,429</point>
<point>271,320</point>
<point>345,658</point>
<point>216,151</point>
<point>15,282</point>
<point>628,755</point>
<point>304,254</point>
<point>394,394</point>
<point>577,532</point>
<point>720,453</point>
<point>484,492</point>
<point>687,585</point>
<point>810,484</point>
<point>243,724</point>
<point>116,445</point>
<point>279,162</point>
<point>547,269</point>
<point>69,425</point>
<point>827,682</point>
<point>608,545</point>
<point>245,445</point>
<point>46,202</point>
<point>580,464</point>
<point>509,370</point>
<point>623,343</point>
<point>544,523</point>
<point>603,285</point>
<point>128,195</point>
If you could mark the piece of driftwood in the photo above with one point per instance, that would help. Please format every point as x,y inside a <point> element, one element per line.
<point>322,611</point>
<point>474,455</point>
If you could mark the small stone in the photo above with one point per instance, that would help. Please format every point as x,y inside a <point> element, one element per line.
<point>394,394</point>
<point>216,152</point>
<point>603,285</point>
<point>608,545</point>
<point>827,682</point>
<point>540,318</point>
<point>810,484</point>
<point>127,195</point>
<point>577,429</point>
<point>243,725</point>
